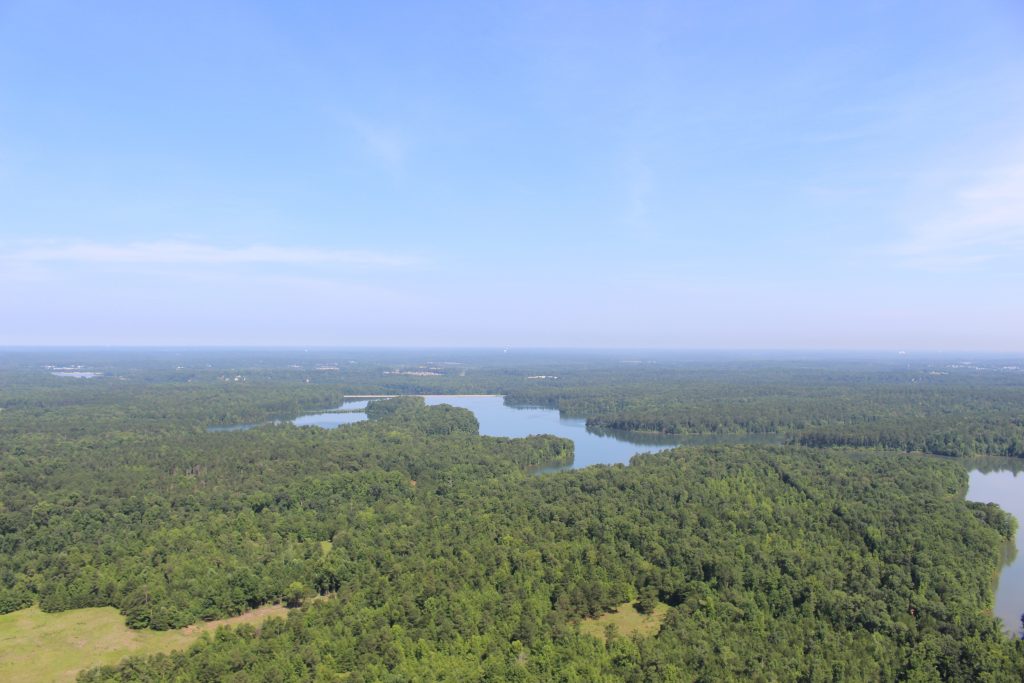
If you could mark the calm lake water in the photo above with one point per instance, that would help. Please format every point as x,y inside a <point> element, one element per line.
<point>593,447</point>
<point>497,419</point>
<point>1002,482</point>
<point>344,414</point>
<point>329,420</point>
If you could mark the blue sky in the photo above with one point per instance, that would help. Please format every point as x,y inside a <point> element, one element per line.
<point>793,175</point>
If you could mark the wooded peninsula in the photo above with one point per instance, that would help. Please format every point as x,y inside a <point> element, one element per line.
<point>410,547</point>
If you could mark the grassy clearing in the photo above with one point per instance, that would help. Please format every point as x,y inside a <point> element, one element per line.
<point>627,620</point>
<point>36,647</point>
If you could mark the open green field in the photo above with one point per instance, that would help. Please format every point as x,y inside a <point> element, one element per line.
<point>627,620</point>
<point>37,647</point>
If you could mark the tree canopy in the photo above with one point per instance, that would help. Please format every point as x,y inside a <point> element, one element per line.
<point>438,554</point>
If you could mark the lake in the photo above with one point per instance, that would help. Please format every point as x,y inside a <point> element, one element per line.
<point>351,412</point>
<point>347,413</point>
<point>593,446</point>
<point>1002,482</point>
<point>498,419</point>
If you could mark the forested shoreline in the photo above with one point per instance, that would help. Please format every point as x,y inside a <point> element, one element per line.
<point>935,404</point>
<point>441,555</point>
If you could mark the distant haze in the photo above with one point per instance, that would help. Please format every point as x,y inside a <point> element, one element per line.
<point>798,175</point>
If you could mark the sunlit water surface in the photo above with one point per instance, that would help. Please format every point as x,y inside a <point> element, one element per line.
<point>1002,482</point>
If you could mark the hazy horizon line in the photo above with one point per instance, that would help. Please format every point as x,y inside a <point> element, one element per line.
<point>506,349</point>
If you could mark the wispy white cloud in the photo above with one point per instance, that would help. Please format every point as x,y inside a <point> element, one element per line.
<point>980,221</point>
<point>191,253</point>
<point>383,144</point>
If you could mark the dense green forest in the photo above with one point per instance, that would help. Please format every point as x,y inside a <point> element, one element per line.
<point>441,555</point>
<point>779,566</point>
<point>934,407</point>
<point>169,528</point>
<point>944,405</point>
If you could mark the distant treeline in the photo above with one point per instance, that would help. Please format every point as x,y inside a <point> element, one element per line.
<point>931,405</point>
<point>970,413</point>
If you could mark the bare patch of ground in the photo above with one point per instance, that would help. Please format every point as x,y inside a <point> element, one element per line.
<point>627,621</point>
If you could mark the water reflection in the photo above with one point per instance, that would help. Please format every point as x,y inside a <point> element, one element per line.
<point>347,413</point>
<point>594,445</point>
<point>592,448</point>
<point>236,428</point>
<point>1001,481</point>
